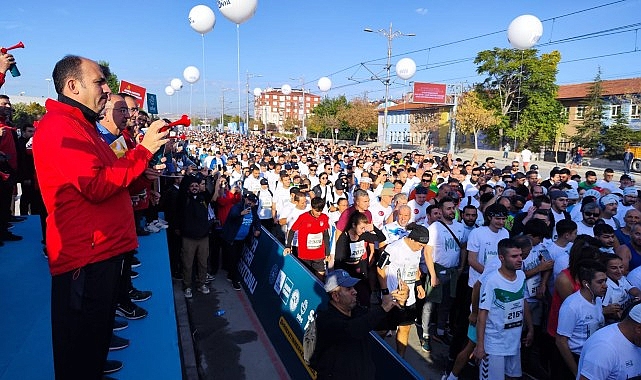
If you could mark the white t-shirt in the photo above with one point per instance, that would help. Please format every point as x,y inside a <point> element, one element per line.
<point>618,293</point>
<point>485,243</point>
<point>403,261</point>
<point>379,213</point>
<point>445,250</point>
<point>419,212</point>
<point>291,217</point>
<point>252,184</point>
<point>526,155</point>
<point>265,201</point>
<point>561,257</point>
<point>536,256</point>
<point>504,300</point>
<point>621,210</point>
<point>609,355</point>
<point>579,319</point>
<point>583,229</point>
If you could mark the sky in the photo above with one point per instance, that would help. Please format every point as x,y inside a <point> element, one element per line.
<point>299,41</point>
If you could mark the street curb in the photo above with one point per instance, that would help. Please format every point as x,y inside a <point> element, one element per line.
<point>185,340</point>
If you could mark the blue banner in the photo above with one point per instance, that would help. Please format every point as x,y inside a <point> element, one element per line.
<point>285,295</point>
<point>152,105</point>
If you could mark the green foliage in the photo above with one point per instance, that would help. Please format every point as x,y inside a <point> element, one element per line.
<point>590,132</point>
<point>26,114</point>
<point>520,87</point>
<point>617,137</point>
<point>112,79</point>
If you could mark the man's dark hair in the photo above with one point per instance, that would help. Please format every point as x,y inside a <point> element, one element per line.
<point>506,244</point>
<point>318,204</point>
<point>430,208</point>
<point>470,207</point>
<point>67,67</point>
<point>608,171</point>
<point>537,201</point>
<point>591,173</point>
<point>536,228</point>
<point>564,226</point>
<point>3,96</point>
<point>602,228</point>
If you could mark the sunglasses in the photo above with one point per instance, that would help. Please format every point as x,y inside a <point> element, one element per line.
<point>592,214</point>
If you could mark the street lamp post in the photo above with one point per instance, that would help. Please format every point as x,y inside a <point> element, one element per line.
<point>390,35</point>
<point>222,111</point>
<point>249,76</point>
<point>301,111</point>
<point>49,80</point>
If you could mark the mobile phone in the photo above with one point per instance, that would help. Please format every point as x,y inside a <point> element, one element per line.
<point>398,278</point>
<point>156,159</point>
<point>172,133</point>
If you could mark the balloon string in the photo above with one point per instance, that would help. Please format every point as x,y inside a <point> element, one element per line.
<point>238,73</point>
<point>204,82</point>
<point>191,93</point>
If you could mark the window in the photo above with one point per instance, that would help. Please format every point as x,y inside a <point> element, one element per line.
<point>579,112</point>
<point>634,111</point>
<point>615,110</point>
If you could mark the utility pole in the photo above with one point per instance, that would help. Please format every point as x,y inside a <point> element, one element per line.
<point>390,35</point>
<point>247,94</point>
<point>222,110</point>
<point>455,90</point>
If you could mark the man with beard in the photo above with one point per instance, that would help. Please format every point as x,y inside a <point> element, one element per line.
<point>443,258</point>
<point>609,205</point>
<point>630,196</point>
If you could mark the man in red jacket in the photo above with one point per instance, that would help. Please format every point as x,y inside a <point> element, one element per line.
<point>90,226</point>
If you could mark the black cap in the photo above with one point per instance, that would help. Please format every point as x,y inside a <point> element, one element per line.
<point>263,181</point>
<point>420,234</point>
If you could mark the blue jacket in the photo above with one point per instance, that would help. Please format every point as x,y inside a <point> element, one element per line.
<point>234,220</point>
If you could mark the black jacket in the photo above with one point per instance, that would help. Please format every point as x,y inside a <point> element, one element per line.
<point>343,347</point>
<point>192,217</point>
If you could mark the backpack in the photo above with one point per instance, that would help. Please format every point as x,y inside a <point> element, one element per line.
<point>309,340</point>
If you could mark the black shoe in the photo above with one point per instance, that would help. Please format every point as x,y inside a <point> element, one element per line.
<point>139,295</point>
<point>17,219</point>
<point>131,312</point>
<point>141,232</point>
<point>135,263</point>
<point>118,343</point>
<point>112,366</point>
<point>133,274</point>
<point>9,236</point>
<point>120,324</point>
<point>177,276</point>
<point>443,339</point>
<point>235,285</point>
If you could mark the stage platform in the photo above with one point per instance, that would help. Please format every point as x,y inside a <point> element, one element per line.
<point>25,327</point>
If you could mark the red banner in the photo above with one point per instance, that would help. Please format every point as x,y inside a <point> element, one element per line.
<point>433,93</point>
<point>134,90</point>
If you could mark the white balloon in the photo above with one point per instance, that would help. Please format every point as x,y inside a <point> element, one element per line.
<point>405,68</point>
<point>202,19</point>
<point>286,89</point>
<point>524,32</point>
<point>191,74</point>
<point>169,90</point>
<point>237,11</point>
<point>324,84</point>
<point>176,84</point>
<point>257,92</point>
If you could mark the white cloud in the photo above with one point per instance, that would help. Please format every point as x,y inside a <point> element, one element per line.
<point>421,11</point>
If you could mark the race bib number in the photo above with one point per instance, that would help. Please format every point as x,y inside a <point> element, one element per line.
<point>314,241</point>
<point>267,204</point>
<point>533,283</point>
<point>409,276</point>
<point>357,250</point>
<point>513,316</point>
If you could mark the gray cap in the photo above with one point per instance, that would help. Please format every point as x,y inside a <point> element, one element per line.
<point>337,278</point>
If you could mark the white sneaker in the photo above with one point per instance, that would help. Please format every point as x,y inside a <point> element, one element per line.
<point>188,293</point>
<point>203,289</point>
<point>160,221</point>
<point>159,225</point>
<point>152,228</point>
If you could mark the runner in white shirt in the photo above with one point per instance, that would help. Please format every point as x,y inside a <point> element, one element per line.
<point>383,209</point>
<point>559,250</point>
<point>483,242</point>
<point>396,229</point>
<point>301,207</point>
<point>252,183</point>
<point>613,352</point>
<point>442,257</point>
<point>581,315</point>
<point>501,316</point>
<point>620,293</point>
<point>400,261</point>
<point>419,205</point>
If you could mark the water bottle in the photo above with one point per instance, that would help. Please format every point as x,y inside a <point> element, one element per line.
<point>219,313</point>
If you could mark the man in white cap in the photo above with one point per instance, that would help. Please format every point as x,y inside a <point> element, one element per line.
<point>609,205</point>
<point>383,209</point>
<point>614,351</point>
<point>627,203</point>
<point>342,330</point>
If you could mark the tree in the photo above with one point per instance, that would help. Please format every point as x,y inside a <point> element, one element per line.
<point>26,114</point>
<point>359,115</point>
<point>521,88</point>
<point>472,117</point>
<point>617,137</point>
<point>327,111</point>
<point>112,79</point>
<point>590,131</point>
<point>424,122</point>
<point>315,125</point>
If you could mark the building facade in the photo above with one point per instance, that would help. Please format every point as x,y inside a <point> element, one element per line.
<point>273,107</point>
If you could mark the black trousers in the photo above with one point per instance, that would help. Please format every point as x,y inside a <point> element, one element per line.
<point>235,254</point>
<point>125,284</point>
<point>83,305</point>
<point>174,245</point>
<point>28,202</point>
